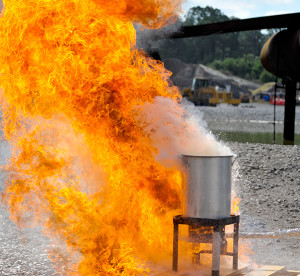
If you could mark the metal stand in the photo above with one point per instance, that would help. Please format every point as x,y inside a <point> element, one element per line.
<point>219,245</point>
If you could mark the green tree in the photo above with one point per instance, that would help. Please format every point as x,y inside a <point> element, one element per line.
<point>265,76</point>
<point>247,66</point>
<point>237,52</point>
<point>202,49</point>
<point>251,42</point>
<point>206,15</point>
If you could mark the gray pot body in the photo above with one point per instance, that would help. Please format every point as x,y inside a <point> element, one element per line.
<point>207,189</point>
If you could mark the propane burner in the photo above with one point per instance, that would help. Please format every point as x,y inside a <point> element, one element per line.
<point>203,230</point>
<point>206,208</point>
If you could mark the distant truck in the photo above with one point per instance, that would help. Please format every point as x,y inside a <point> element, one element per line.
<point>203,93</point>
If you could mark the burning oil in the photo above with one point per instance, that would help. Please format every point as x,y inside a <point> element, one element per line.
<point>95,129</point>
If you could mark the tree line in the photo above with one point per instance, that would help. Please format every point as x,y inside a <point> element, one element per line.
<point>237,53</point>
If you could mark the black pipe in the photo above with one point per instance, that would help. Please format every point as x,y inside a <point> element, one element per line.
<point>289,112</point>
<point>238,25</point>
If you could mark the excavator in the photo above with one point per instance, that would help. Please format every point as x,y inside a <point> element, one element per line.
<point>203,92</point>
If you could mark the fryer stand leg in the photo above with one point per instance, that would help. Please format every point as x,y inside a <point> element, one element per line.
<point>175,247</point>
<point>196,256</point>
<point>216,251</point>
<point>235,246</point>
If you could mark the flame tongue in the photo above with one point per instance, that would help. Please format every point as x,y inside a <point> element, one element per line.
<point>82,164</point>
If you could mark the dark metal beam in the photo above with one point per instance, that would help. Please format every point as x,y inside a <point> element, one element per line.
<point>267,22</point>
<point>289,113</point>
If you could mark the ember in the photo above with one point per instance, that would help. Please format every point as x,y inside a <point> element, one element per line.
<point>89,162</point>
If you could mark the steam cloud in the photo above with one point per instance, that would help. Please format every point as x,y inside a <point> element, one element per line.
<point>178,129</point>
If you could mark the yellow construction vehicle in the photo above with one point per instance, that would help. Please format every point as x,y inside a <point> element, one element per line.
<point>203,93</point>
<point>224,96</point>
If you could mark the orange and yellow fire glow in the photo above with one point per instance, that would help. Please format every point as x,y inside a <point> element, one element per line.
<point>82,164</point>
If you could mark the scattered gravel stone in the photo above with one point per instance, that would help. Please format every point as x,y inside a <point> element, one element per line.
<point>22,252</point>
<point>269,203</point>
<point>268,182</point>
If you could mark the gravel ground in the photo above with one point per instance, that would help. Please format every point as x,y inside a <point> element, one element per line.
<point>253,117</point>
<point>268,184</point>
<point>22,252</point>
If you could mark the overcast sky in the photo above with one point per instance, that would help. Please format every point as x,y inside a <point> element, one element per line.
<point>248,8</point>
<point>245,8</point>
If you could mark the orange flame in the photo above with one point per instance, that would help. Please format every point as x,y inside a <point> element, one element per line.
<point>81,163</point>
<point>235,209</point>
<point>77,106</point>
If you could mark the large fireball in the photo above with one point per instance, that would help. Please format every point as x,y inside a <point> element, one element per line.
<point>78,105</point>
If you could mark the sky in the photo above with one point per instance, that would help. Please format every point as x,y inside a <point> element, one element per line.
<point>244,8</point>
<point>248,8</point>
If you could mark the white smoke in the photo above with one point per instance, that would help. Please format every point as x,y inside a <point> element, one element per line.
<point>176,129</point>
<point>148,39</point>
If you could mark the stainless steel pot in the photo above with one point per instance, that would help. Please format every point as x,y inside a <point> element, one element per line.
<point>207,189</point>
